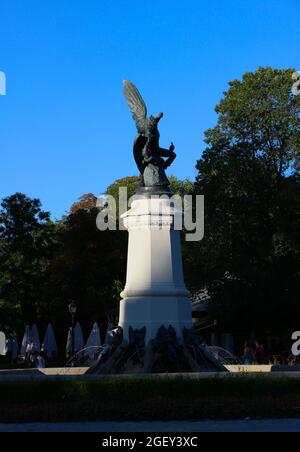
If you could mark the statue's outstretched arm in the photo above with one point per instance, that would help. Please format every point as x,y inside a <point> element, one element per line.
<point>169,153</point>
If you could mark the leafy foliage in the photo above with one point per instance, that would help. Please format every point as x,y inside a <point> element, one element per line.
<point>27,241</point>
<point>250,257</point>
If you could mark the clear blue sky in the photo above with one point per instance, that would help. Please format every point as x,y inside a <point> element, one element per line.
<point>65,128</point>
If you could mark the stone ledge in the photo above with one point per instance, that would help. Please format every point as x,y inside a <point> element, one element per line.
<point>263,369</point>
<point>80,373</point>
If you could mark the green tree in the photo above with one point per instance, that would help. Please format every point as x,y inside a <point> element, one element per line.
<point>85,202</point>
<point>27,240</point>
<point>250,257</point>
<point>87,268</point>
<point>181,187</point>
<point>178,186</point>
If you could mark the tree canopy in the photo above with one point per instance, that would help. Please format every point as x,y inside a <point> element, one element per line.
<point>250,257</point>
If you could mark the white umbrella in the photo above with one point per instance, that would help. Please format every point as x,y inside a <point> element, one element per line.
<point>110,328</point>
<point>49,345</point>
<point>94,339</point>
<point>2,344</point>
<point>78,338</point>
<point>75,337</point>
<point>8,346</point>
<point>69,346</point>
<point>93,343</point>
<point>36,345</point>
<point>25,341</point>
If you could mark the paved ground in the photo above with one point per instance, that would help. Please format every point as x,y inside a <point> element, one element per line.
<point>287,425</point>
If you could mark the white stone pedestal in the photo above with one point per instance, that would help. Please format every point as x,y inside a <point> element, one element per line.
<point>155,293</point>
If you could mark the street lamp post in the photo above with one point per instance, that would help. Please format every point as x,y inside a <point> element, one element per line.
<point>73,311</point>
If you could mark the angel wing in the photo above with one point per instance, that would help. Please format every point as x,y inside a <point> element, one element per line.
<point>136,104</point>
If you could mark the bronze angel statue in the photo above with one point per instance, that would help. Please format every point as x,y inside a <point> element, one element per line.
<point>151,159</point>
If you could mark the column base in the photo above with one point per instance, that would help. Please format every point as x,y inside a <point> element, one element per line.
<point>154,312</point>
<point>163,354</point>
